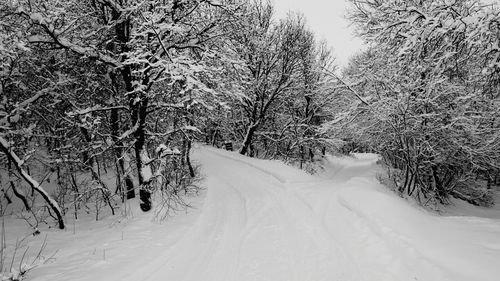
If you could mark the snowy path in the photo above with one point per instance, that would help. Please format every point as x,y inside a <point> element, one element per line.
<point>263,220</point>
<point>252,227</point>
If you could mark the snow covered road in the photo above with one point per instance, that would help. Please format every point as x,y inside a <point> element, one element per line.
<point>252,227</point>
<point>263,220</point>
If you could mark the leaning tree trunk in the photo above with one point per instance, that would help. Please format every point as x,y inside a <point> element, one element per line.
<point>5,147</point>
<point>17,193</point>
<point>248,138</point>
<point>187,142</point>
<point>188,159</point>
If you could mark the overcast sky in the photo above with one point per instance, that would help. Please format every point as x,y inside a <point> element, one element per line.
<point>327,19</point>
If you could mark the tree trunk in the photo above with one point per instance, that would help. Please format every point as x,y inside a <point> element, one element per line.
<point>465,198</point>
<point>123,167</point>
<point>129,179</point>
<point>188,159</point>
<point>139,113</point>
<point>122,31</point>
<point>88,161</point>
<point>301,157</point>
<point>188,143</point>
<point>17,193</point>
<point>248,138</point>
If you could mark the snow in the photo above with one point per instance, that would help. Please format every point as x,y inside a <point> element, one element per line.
<point>146,172</point>
<point>192,128</point>
<point>161,148</point>
<point>263,220</point>
<point>38,18</point>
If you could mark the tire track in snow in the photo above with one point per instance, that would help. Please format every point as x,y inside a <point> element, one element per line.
<point>252,227</point>
<point>192,256</point>
<point>264,209</point>
<point>302,224</point>
<point>372,238</point>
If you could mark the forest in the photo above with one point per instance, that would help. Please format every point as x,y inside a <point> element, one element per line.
<point>127,87</point>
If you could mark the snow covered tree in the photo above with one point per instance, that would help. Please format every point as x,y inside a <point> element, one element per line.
<point>427,84</point>
<point>278,66</point>
<point>308,108</point>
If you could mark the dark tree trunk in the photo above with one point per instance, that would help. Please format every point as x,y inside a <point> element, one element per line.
<point>87,160</point>
<point>123,33</point>
<point>247,142</point>
<point>18,194</point>
<point>6,196</point>
<point>188,160</point>
<point>188,144</point>
<point>301,157</point>
<point>122,173</point>
<point>139,113</point>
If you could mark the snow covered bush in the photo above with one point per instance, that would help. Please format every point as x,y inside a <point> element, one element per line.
<point>176,179</point>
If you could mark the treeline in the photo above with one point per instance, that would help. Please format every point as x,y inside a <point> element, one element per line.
<point>124,87</point>
<point>430,88</point>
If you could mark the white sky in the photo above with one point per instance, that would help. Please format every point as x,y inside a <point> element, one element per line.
<point>327,19</point>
